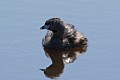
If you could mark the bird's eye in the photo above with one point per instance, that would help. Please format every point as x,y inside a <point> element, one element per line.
<point>47,23</point>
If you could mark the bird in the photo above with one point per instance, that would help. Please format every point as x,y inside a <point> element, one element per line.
<point>61,35</point>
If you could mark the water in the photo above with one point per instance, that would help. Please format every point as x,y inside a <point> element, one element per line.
<point>21,52</point>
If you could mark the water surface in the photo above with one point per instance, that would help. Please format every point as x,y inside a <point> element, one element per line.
<point>21,51</point>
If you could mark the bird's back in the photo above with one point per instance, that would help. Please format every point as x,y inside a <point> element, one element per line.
<point>72,38</point>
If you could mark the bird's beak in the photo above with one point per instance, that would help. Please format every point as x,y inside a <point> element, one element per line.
<point>44,27</point>
<point>42,69</point>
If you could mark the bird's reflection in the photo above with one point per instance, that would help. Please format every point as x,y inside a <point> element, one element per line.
<point>60,58</point>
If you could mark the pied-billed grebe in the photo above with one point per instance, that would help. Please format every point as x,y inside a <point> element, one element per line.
<point>61,35</point>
